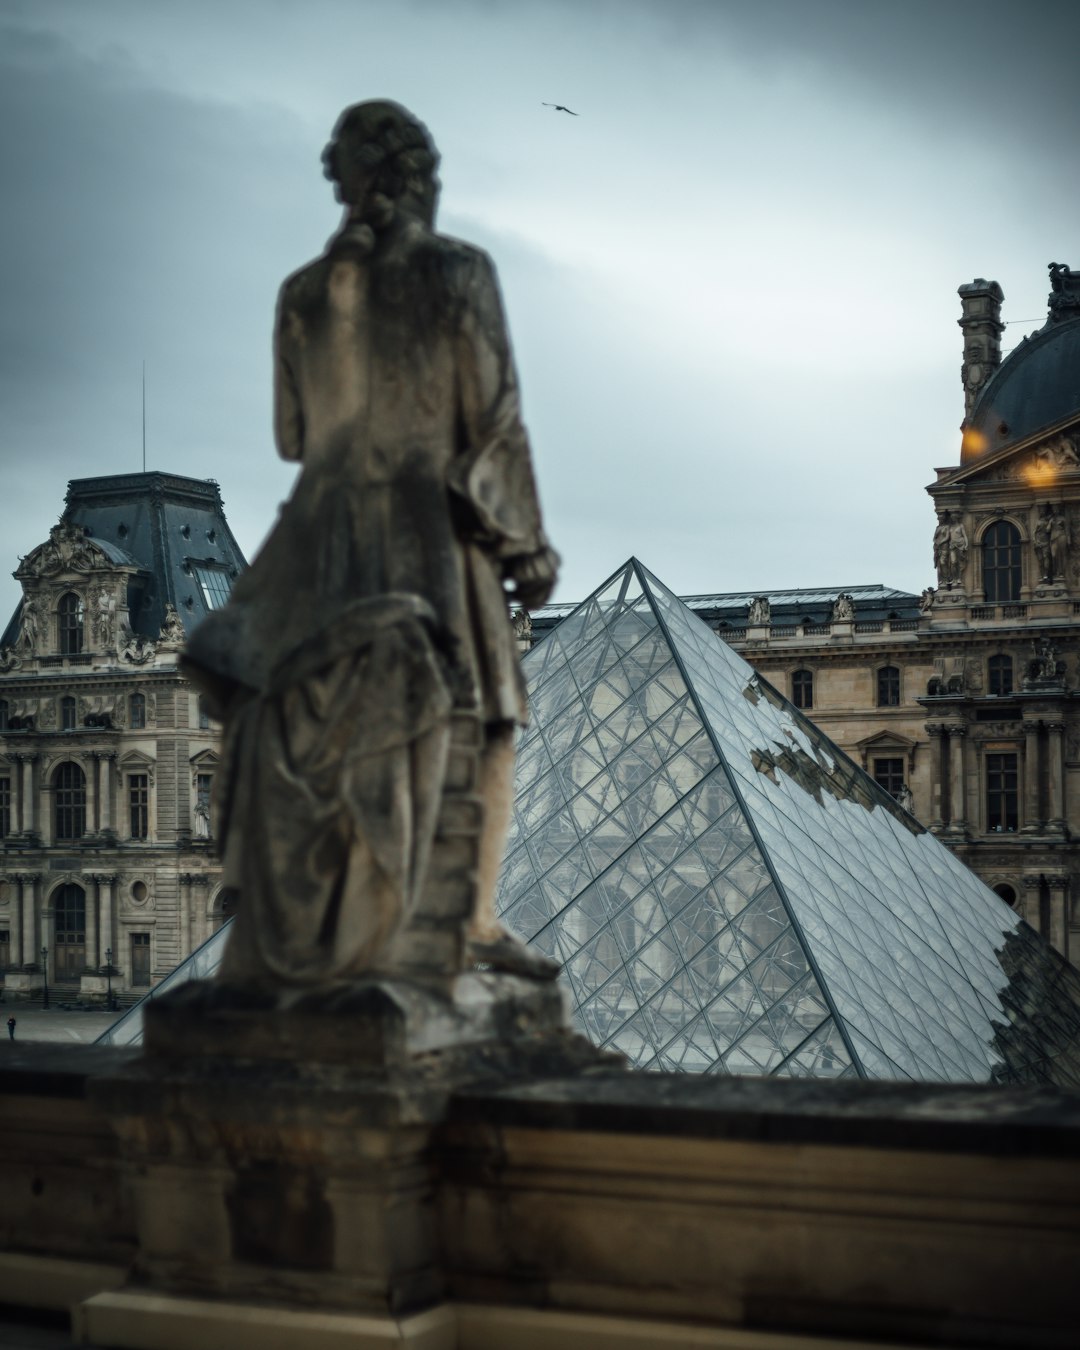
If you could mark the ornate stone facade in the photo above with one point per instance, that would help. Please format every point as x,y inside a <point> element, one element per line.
<point>106,759</point>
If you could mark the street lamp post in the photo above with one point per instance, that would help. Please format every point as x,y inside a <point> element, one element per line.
<point>45,977</point>
<point>108,979</point>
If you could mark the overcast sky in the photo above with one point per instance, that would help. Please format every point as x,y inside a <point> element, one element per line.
<point>731,280</point>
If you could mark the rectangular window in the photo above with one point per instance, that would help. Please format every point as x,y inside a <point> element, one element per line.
<point>215,584</point>
<point>5,807</point>
<point>889,774</point>
<point>139,801</point>
<point>1002,795</point>
<point>1000,670</point>
<point>802,689</point>
<point>5,948</point>
<point>888,687</point>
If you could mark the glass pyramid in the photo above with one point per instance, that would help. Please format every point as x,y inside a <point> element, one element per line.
<point>727,892</point>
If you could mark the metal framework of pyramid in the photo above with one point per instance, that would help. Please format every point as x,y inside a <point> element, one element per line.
<point>727,892</point>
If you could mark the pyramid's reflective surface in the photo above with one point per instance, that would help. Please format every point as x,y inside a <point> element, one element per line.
<point>728,893</point>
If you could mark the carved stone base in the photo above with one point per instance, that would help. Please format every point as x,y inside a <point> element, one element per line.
<point>22,984</point>
<point>283,1147</point>
<point>392,1029</point>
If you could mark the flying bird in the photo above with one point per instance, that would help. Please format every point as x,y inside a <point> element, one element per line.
<point>559,108</point>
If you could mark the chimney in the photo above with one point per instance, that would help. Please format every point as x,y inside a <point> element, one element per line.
<point>980,303</point>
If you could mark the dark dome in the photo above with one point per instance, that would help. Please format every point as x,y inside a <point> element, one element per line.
<point>1037,387</point>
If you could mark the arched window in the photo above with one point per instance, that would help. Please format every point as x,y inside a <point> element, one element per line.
<point>802,689</point>
<point>69,618</point>
<point>69,917</point>
<point>67,713</point>
<point>137,709</point>
<point>1007,893</point>
<point>999,670</point>
<point>1001,562</point>
<point>888,687</point>
<point>70,787</point>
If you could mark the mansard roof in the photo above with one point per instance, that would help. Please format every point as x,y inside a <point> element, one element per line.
<point>170,527</point>
<point>872,601</point>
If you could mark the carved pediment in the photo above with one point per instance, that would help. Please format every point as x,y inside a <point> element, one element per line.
<point>1038,464</point>
<point>887,743</point>
<point>68,549</point>
<point>206,761</point>
<point>136,762</point>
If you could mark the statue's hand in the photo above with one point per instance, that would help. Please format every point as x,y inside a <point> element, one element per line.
<point>532,577</point>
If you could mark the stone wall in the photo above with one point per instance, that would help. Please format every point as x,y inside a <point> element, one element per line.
<point>616,1209</point>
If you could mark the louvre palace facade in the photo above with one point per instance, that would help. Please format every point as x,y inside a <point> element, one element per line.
<point>107,871</point>
<point>963,702</point>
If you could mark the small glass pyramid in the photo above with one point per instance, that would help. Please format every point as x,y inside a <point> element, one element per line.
<point>727,892</point>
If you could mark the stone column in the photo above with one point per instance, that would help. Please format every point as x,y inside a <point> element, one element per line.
<point>200,924</point>
<point>107,936</point>
<point>90,758</point>
<point>1029,904</point>
<point>957,808</point>
<point>47,935</point>
<point>1055,777</point>
<point>27,813</point>
<point>30,946</point>
<point>15,905</point>
<point>936,732</point>
<point>186,883</point>
<point>1059,902</point>
<point>1032,812</point>
<point>92,958</point>
<point>16,798</point>
<point>105,763</point>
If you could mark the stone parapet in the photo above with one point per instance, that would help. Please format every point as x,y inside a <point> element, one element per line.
<point>596,1209</point>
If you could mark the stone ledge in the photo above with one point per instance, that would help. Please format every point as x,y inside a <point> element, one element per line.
<point>38,1069</point>
<point>141,1321</point>
<point>939,1118</point>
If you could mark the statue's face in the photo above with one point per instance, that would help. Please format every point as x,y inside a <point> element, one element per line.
<point>343,166</point>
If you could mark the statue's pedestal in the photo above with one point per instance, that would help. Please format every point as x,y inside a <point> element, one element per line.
<point>282,1149</point>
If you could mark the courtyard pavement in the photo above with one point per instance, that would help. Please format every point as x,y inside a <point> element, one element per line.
<point>36,1024</point>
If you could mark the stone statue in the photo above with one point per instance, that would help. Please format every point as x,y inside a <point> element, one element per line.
<point>760,611</point>
<point>1044,667</point>
<point>375,615</point>
<point>135,648</point>
<point>1057,455</point>
<point>926,600</point>
<point>905,799</point>
<point>172,630</point>
<point>30,625</point>
<point>843,610</point>
<point>1060,542</point>
<point>941,548</point>
<point>522,621</point>
<point>105,617</point>
<point>1041,540</point>
<point>958,551</point>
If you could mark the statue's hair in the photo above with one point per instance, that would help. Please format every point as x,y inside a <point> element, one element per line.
<point>394,149</point>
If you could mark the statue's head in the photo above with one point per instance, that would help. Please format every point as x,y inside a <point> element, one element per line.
<point>382,161</point>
